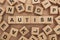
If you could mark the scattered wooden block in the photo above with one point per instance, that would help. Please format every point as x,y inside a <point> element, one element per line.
<point>5,36</point>
<point>42,36</point>
<point>33,38</point>
<point>13,32</point>
<point>35,31</point>
<point>4,25</point>
<point>20,8</point>
<point>57,29</point>
<point>29,8</point>
<point>23,38</point>
<point>53,1</point>
<point>2,1</point>
<point>52,37</point>
<point>35,1</point>
<point>10,9</point>
<point>54,10</point>
<point>39,10</point>
<point>12,2</point>
<point>58,2</point>
<point>47,30</point>
<point>23,1</point>
<point>46,4</point>
<point>11,19</point>
<point>24,30</point>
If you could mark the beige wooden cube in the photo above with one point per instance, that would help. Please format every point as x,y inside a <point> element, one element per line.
<point>58,2</point>
<point>33,38</point>
<point>2,10</point>
<point>29,8</point>
<point>10,9</point>
<point>39,10</point>
<point>35,1</point>
<point>57,29</point>
<point>35,31</point>
<point>2,1</point>
<point>12,2</point>
<point>23,1</point>
<point>5,36</point>
<point>54,10</point>
<point>23,38</point>
<point>46,4</point>
<point>19,20</point>
<point>11,19</point>
<point>20,8</point>
<point>42,36</point>
<point>24,30</point>
<point>4,26</point>
<point>52,37</point>
<point>13,32</point>
<point>47,30</point>
<point>53,1</point>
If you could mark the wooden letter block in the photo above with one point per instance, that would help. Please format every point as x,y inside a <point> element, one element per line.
<point>57,29</point>
<point>46,4</point>
<point>23,1</point>
<point>2,1</point>
<point>35,1</point>
<point>39,10</point>
<point>10,9</point>
<point>23,38</point>
<point>24,30</point>
<point>42,36</point>
<point>11,19</point>
<point>14,32</point>
<point>52,37</point>
<point>20,8</point>
<point>29,8</point>
<point>35,31</point>
<point>47,30</point>
<point>5,36</point>
<point>4,25</point>
<point>54,10</point>
<point>12,2</point>
<point>53,1</point>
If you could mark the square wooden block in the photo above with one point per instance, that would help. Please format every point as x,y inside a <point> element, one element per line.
<point>39,10</point>
<point>46,4</point>
<point>58,2</point>
<point>20,8</point>
<point>4,25</point>
<point>42,36</point>
<point>5,36</point>
<point>10,9</point>
<point>35,1</point>
<point>29,8</point>
<point>12,2</point>
<point>57,29</point>
<point>53,1</point>
<point>35,31</point>
<point>23,1</point>
<point>13,32</point>
<point>11,19</point>
<point>24,30</point>
<point>52,37</point>
<point>47,30</point>
<point>2,1</point>
<point>54,10</point>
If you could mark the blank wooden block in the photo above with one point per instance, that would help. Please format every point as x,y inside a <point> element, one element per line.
<point>11,19</point>
<point>12,2</point>
<point>46,4</point>
<point>52,37</point>
<point>24,30</point>
<point>35,1</point>
<point>58,2</point>
<point>57,29</point>
<point>2,1</point>
<point>23,38</point>
<point>2,10</point>
<point>42,36</point>
<point>4,25</point>
<point>47,30</point>
<point>23,1</point>
<point>53,1</point>
<point>13,32</point>
<point>54,10</point>
<point>20,8</point>
<point>10,9</point>
<point>39,10</point>
<point>33,38</point>
<point>35,31</point>
<point>29,8</point>
<point>5,36</point>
